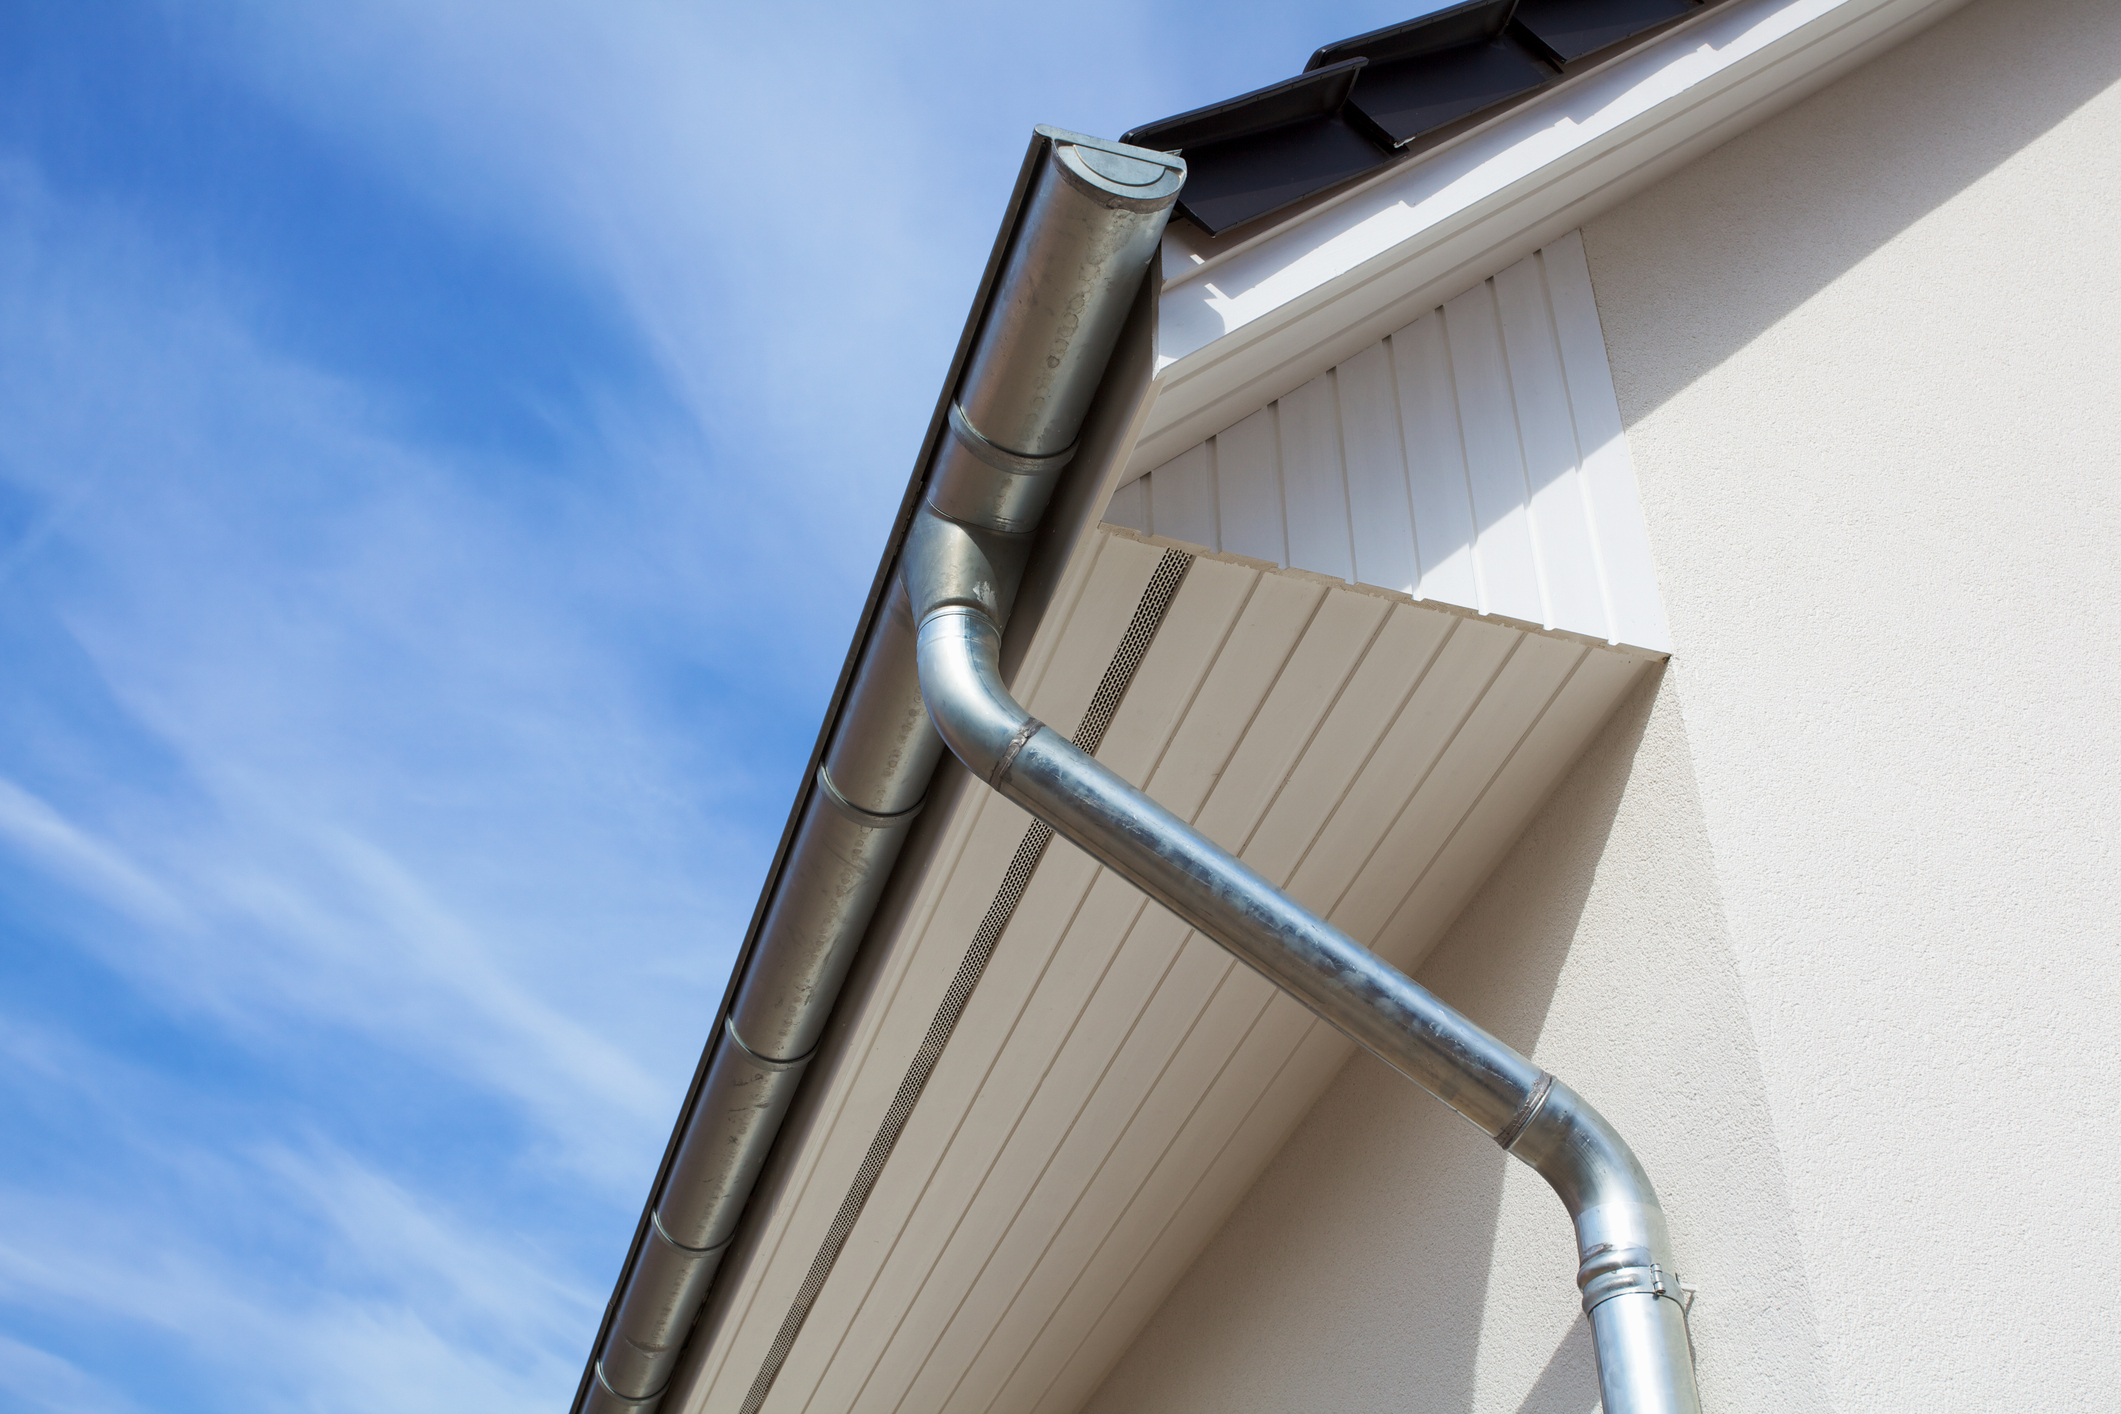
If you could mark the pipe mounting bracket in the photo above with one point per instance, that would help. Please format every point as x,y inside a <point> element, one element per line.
<point>1616,1271</point>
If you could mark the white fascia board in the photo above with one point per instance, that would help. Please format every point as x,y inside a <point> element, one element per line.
<point>1241,328</point>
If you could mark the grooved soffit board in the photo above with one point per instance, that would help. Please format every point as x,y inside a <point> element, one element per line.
<point>1244,320</point>
<point>1114,1082</point>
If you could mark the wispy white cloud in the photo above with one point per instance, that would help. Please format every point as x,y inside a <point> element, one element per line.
<point>36,1380</point>
<point>355,1297</point>
<point>422,790</point>
<point>479,1274</point>
<point>288,1272</point>
<point>33,827</point>
<point>792,203</point>
<point>354,756</point>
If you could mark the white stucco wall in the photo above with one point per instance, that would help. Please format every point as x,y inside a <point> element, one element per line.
<point>1829,921</point>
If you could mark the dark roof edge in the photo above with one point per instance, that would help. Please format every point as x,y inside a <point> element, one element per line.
<point>1466,23</point>
<point>1315,93</point>
<point>1218,244</point>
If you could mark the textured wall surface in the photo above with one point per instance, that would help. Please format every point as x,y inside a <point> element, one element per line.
<point>1392,1259</point>
<point>1830,919</point>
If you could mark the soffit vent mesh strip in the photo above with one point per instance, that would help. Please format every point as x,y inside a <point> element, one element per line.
<point>1111,689</point>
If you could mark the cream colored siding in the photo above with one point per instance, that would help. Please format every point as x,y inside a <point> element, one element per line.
<point>1474,458</point>
<point>1115,1081</point>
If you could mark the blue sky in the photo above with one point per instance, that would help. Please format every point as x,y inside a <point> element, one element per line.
<point>443,448</point>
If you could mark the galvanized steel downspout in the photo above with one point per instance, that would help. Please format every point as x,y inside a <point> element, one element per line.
<point>1085,239</point>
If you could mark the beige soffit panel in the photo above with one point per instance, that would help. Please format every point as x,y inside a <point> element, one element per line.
<point>1240,322</point>
<point>1474,458</point>
<point>1115,1082</point>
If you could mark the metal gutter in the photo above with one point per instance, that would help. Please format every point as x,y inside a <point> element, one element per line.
<point>1080,235</point>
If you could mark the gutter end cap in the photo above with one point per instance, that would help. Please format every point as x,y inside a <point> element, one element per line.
<point>1116,173</point>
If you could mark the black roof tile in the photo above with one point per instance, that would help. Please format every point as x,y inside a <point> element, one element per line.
<point>1568,30</point>
<point>1363,101</point>
<point>1252,155</point>
<point>1412,97</point>
<point>1468,22</point>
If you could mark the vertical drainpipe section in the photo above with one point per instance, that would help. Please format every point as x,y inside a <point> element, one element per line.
<point>1090,226</point>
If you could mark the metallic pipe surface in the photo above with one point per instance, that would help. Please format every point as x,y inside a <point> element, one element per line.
<point>1080,245</point>
<point>1630,1292</point>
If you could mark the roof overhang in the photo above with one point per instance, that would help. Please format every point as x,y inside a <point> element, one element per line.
<point>1112,1085</point>
<point>1086,1118</point>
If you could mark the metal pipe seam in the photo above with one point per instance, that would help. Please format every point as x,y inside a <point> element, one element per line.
<point>603,1397</point>
<point>885,749</point>
<point>720,1158</point>
<point>979,482</point>
<point>867,819</point>
<point>1000,457</point>
<point>656,1312</point>
<point>1526,1111</point>
<point>826,897</point>
<point>765,1062</point>
<point>1644,1358</point>
<point>1032,727</point>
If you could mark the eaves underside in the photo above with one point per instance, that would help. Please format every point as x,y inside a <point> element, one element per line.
<point>1114,1082</point>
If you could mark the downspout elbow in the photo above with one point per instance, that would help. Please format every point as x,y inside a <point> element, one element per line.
<point>960,681</point>
<point>1631,1292</point>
